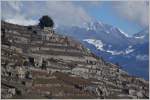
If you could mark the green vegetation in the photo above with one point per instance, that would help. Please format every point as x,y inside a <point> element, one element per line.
<point>46,21</point>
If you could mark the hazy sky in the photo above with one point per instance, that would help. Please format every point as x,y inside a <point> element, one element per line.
<point>130,16</point>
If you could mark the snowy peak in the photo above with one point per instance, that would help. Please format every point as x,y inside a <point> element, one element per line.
<point>94,25</point>
<point>119,31</point>
<point>108,29</point>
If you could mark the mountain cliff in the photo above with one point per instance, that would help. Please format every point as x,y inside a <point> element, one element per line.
<point>40,63</point>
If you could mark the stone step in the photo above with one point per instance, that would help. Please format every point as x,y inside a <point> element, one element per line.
<point>59,53</point>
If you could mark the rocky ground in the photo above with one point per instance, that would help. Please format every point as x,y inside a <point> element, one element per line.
<point>39,63</point>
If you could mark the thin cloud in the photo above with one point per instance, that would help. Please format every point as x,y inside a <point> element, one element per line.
<point>69,13</point>
<point>21,20</point>
<point>63,13</point>
<point>136,11</point>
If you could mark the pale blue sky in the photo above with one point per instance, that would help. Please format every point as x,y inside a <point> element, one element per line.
<point>105,11</point>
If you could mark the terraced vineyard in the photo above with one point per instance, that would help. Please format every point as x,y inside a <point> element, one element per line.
<point>39,63</point>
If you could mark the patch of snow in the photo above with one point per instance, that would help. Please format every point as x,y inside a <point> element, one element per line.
<point>87,28</point>
<point>125,52</point>
<point>123,32</point>
<point>115,52</point>
<point>129,51</point>
<point>139,37</point>
<point>90,26</point>
<point>107,32</point>
<point>115,29</point>
<point>97,43</point>
<point>100,23</point>
<point>142,57</point>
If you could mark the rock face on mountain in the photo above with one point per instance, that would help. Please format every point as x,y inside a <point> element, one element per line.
<point>40,63</point>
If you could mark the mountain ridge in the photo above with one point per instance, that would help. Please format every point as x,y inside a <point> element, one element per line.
<point>114,45</point>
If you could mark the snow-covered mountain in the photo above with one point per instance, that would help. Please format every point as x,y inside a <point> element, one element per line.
<point>106,33</point>
<point>99,45</point>
<point>114,45</point>
<point>142,36</point>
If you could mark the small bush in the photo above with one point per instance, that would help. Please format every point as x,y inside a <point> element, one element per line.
<point>46,21</point>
